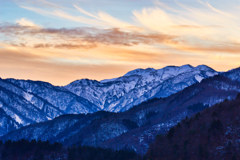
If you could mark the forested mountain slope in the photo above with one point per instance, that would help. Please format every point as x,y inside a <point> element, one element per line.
<point>210,134</point>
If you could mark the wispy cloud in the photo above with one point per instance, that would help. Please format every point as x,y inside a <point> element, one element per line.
<point>61,14</point>
<point>102,19</point>
<point>196,26</point>
<point>25,22</point>
<point>221,12</point>
<point>108,19</point>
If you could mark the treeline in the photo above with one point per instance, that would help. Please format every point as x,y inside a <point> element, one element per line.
<point>35,150</point>
<point>92,153</point>
<point>44,150</point>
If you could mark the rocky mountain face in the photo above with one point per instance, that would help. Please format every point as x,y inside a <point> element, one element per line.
<point>7,124</point>
<point>26,102</point>
<point>135,128</point>
<point>59,97</point>
<point>120,94</point>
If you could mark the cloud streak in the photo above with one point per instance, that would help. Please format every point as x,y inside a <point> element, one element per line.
<point>108,19</point>
<point>78,38</point>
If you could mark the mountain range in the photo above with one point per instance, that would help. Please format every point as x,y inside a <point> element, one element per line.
<point>137,127</point>
<point>128,111</point>
<point>25,102</point>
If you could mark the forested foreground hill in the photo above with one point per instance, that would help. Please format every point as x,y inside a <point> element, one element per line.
<point>210,134</point>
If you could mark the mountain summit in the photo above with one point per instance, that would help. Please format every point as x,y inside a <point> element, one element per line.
<point>120,94</point>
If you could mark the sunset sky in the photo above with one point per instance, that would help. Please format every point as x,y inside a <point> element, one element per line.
<point>60,41</point>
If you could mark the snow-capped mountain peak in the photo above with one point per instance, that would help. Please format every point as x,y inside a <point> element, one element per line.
<point>136,86</point>
<point>140,72</point>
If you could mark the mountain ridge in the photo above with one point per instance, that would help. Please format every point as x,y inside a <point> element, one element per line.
<point>131,89</point>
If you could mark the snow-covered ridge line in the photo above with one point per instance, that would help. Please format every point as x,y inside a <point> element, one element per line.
<point>120,94</point>
<point>178,70</point>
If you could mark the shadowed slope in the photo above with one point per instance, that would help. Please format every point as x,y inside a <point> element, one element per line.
<point>210,134</point>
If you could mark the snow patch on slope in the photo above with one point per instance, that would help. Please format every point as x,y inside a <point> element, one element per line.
<point>28,97</point>
<point>49,118</point>
<point>211,74</point>
<point>199,78</point>
<point>18,119</point>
